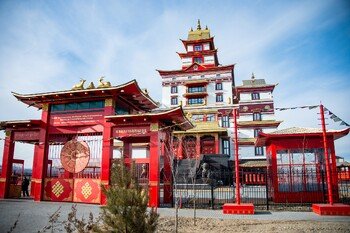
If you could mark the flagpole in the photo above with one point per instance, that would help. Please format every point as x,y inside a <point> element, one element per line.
<point>328,169</point>
<point>238,193</point>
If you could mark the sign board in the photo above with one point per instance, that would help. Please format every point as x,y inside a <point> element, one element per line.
<point>131,131</point>
<point>76,118</point>
<point>30,135</point>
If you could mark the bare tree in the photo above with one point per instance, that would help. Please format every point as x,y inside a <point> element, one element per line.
<point>170,151</point>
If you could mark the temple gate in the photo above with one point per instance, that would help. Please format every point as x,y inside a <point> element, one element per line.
<point>75,141</point>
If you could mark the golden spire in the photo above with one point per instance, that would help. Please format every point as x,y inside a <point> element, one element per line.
<point>206,27</point>
<point>191,29</point>
<point>199,25</point>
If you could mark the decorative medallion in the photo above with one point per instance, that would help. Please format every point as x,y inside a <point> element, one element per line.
<point>245,108</point>
<point>267,107</point>
<point>45,107</point>
<point>154,127</point>
<point>86,190</point>
<point>75,156</point>
<point>109,102</point>
<point>7,133</point>
<point>195,67</point>
<point>57,189</point>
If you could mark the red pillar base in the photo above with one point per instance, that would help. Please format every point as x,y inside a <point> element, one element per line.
<point>328,209</point>
<point>232,208</point>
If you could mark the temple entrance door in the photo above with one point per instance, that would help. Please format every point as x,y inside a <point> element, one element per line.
<point>208,145</point>
<point>189,147</point>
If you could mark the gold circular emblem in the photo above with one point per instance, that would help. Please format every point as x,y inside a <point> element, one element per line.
<point>75,156</point>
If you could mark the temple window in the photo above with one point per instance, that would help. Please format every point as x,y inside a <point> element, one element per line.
<point>210,117</point>
<point>225,122</point>
<point>174,100</point>
<point>197,117</point>
<point>259,150</point>
<point>219,98</point>
<point>173,89</point>
<point>198,60</point>
<point>195,101</point>
<point>77,106</point>
<point>218,86</point>
<point>196,89</point>
<point>257,116</point>
<point>296,169</point>
<point>198,48</point>
<point>256,132</point>
<point>226,146</point>
<point>121,111</point>
<point>255,96</point>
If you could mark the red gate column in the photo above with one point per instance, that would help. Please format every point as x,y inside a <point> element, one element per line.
<point>127,153</point>
<point>9,147</point>
<point>179,148</point>
<point>167,176</point>
<point>217,144</point>
<point>198,146</point>
<point>107,148</point>
<point>40,156</point>
<point>154,166</point>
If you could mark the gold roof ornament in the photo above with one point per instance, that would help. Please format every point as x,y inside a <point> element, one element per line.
<point>79,86</point>
<point>200,33</point>
<point>102,84</point>
<point>91,86</point>
<point>199,25</point>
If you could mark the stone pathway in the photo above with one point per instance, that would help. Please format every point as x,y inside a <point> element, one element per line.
<point>35,215</point>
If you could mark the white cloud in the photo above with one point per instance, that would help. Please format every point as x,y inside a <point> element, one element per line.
<point>50,46</point>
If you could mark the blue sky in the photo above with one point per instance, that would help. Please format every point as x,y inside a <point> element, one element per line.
<point>302,45</point>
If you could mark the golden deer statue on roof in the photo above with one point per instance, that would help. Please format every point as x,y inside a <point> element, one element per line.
<point>102,84</point>
<point>79,86</point>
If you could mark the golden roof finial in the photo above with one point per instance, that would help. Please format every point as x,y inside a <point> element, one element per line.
<point>199,25</point>
<point>191,29</point>
<point>206,27</point>
<point>253,77</point>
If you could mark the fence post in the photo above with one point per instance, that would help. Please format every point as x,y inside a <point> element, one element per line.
<point>212,194</point>
<point>267,189</point>
<point>323,186</point>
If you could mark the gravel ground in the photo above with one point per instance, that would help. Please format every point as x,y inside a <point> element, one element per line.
<point>203,225</point>
<point>35,215</point>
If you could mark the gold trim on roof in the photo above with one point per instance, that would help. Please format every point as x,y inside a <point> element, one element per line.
<point>204,127</point>
<point>196,81</point>
<point>251,123</point>
<point>247,140</point>
<point>201,111</point>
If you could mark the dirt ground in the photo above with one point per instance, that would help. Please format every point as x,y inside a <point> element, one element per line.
<point>166,224</point>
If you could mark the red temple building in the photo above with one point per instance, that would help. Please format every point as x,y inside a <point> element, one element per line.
<point>74,141</point>
<point>207,92</point>
<point>297,164</point>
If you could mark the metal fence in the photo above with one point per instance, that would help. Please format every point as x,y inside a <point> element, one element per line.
<point>296,191</point>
